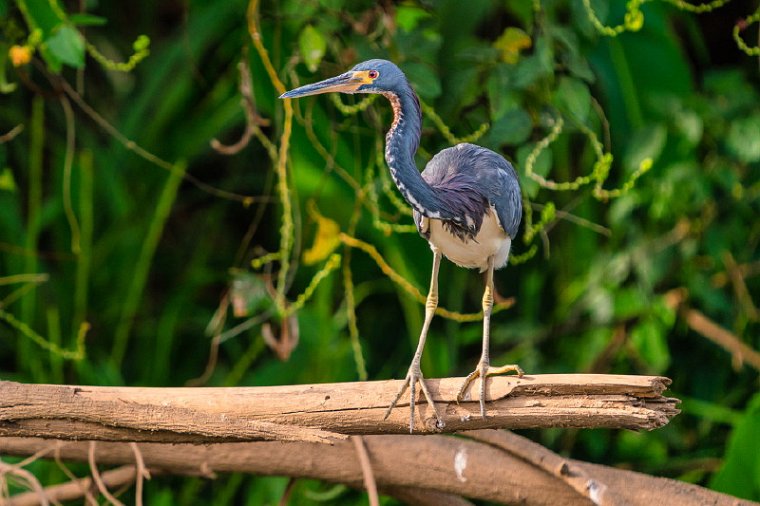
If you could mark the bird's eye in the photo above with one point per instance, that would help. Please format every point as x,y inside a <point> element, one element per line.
<point>373,74</point>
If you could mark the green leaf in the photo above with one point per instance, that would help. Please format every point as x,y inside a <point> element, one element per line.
<point>87,20</point>
<point>512,128</point>
<point>579,67</point>
<point>536,66</point>
<point>690,126</point>
<point>43,15</point>
<point>664,312</point>
<point>630,302</point>
<point>510,43</point>
<point>740,474</point>
<point>573,98</point>
<point>645,143</point>
<point>312,45</point>
<point>409,16</point>
<point>649,338</point>
<point>7,182</point>
<point>743,140</point>
<point>67,45</point>
<point>500,97</point>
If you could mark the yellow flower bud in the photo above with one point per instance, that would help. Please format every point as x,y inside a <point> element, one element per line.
<point>20,55</point>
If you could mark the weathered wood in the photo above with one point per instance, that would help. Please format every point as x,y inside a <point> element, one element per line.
<point>497,466</point>
<point>325,412</point>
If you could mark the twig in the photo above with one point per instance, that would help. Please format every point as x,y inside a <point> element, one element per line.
<point>84,490</point>
<point>68,160</point>
<point>215,327</point>
<point>740,351</point>
<point>253,120</point>
<point>97,478</point>
<point>698,322</point>
<point>213,355</point>
<point>32,458</point>
<point>31,480</point>
<point>141,472</point>
<point>369,476</point>
<point>720,279</point>
<point>77,488</point>
<point>287,493</point>
<point>583,222</point>
<point>288,340</point>
<point>11,134</point>
<point>740,287</point>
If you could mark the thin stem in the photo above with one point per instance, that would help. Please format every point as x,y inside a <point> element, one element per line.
<point>68,207</point>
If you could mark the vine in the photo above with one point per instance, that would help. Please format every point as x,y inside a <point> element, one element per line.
<point>633,19</point>
<point>599,173</point>
<point>141,47</point>
<point>740,27</point>
<point>78,353</point>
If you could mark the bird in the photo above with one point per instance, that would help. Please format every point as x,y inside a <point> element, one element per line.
<point>466,203</point>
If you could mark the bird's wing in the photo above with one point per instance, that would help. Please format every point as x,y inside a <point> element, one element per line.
<point>474,172</point>
<point>506,197</point>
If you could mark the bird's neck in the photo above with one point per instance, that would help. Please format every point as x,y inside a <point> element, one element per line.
<point>401,144</point>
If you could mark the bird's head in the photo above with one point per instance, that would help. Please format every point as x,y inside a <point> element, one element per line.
<point>371,76</point>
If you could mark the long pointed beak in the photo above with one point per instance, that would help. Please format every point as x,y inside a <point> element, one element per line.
<point>344,83</point>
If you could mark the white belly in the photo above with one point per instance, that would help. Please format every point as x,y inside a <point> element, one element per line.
<point>490,241</point>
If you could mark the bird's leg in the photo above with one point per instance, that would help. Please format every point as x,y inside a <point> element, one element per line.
<point>415,373</point>
<point>484,369</point>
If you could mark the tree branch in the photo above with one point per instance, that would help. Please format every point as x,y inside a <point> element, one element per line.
<point>498,466</point>
<point>318,412</point>
<point>325,412</point>
<point>75,489</point>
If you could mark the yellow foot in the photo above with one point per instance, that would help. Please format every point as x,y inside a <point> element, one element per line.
<point>482,371</point>
<point>412,377</point>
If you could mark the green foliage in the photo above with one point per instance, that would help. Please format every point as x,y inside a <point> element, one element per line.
<point>66,46</point>
<point>313,45</point>
<point>633,130</point>
<point>740,474</point>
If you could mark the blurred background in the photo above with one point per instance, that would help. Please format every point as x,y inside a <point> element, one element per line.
<point>134,251</point>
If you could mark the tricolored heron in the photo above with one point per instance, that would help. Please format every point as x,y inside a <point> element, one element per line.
<point>466,203</point>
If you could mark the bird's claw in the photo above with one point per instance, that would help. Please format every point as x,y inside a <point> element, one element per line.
<point>482,371</point>
<point>410,382</point>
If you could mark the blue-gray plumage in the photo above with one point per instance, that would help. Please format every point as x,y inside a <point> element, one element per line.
<point>466,203</point>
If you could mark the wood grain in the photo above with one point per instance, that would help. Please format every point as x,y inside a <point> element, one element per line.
<point>328,412</point>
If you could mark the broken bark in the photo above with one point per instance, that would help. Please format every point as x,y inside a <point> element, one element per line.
<point>325,413</point>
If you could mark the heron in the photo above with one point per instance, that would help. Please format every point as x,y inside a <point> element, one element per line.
<point>466,203</point>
